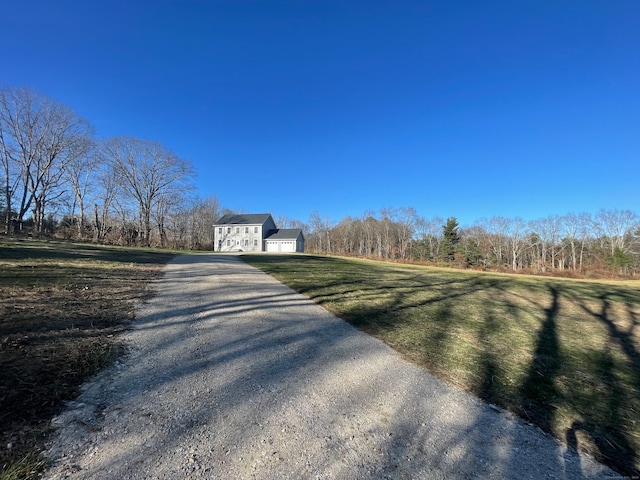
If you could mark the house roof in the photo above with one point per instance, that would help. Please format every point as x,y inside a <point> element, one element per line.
<point>284,234</point>
<point>244,219</point>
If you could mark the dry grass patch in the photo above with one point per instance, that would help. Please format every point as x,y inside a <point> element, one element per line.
<point>563,354</point>
<point>62,307</point>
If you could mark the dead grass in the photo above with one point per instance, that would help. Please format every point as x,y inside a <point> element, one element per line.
<point>62,307</point>
<point>563,354</point>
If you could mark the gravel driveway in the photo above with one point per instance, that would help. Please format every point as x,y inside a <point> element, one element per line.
<point>233,375</point>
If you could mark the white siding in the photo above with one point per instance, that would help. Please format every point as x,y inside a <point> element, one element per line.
<point>241,237</point>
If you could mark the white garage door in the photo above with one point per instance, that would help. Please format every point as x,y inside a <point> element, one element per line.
<point>281,246</point>
<point>288,246</point>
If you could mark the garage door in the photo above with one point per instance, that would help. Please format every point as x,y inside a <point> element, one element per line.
<point>272,246</point>
<point>288,246</point>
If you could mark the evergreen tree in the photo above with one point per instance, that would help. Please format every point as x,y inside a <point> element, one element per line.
<point>472,253</point>
<point>619,259</point>
<point>450,239</point>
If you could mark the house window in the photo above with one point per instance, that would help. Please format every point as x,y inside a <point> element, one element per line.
<point>246,229</point>
<point>255,241</point>
<point>255,229</point>
<point>228,243</point>
<point>220,230</point>
<point>237,229</point>
<point>246,242</point>
<point>228,229</point>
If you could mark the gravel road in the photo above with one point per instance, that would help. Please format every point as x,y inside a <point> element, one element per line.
<point>233,375</point>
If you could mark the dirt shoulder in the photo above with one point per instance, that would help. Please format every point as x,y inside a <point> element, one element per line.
<point>233,375</point>
<point>63,308</point>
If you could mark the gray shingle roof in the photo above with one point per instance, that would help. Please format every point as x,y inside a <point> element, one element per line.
<point>244,219</point>
<point>284,234</point>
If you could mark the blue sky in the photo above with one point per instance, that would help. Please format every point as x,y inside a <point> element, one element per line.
<point>456,108</point>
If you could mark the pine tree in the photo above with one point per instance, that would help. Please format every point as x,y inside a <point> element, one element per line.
<point>450,239</point>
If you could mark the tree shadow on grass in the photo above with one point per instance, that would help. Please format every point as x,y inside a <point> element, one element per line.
<point>538,391</point>
<point>548,375</point>
<point>613,438</point>
<point>610,440</point>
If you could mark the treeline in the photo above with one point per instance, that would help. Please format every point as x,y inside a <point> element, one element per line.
<point>583,244</point>
<point>58,178</point>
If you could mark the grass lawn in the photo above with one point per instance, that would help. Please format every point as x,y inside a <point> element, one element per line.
<point>61,308</point>
<point>562,354</point>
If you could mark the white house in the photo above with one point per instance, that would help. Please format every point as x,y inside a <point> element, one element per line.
<point>255,233</point>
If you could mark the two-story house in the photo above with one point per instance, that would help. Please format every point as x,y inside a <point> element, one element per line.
<point>255,233</point>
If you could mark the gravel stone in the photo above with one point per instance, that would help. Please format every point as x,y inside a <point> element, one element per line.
<point>231,374</point>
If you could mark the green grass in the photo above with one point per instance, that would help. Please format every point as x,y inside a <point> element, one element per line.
<point>62,306</point>
<point>563,354</point>
<point>28,467</point>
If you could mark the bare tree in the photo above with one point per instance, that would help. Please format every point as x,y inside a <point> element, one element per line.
<point>147,171</point>
<point>81,174</point>
<point>105,196</point>
<point>548,231</point>
<point>369,227</point>
<point>206,213</point>
<point>39,138</point>
<point>616,226</point>
<point>387,232</point>
<point>190,223</point>
<point>516,232</point>
<point>320,233</point>
<point>9,174</point>
<point>429,237</point>
<point>407,220</point>
<point>162,207</point>
<point>9,150</point>
<point>577,227</point>
<point>497,233</point>
<point>284,222</point>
